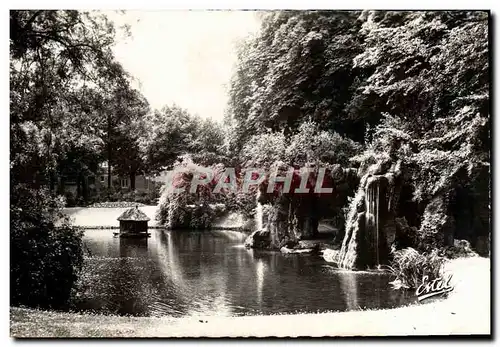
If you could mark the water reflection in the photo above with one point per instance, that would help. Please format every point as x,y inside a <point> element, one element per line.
<point>133,248</point>
<point>349,285</point>
<point>208,273</point>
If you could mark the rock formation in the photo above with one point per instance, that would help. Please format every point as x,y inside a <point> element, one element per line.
<point>288,218</point>
<point>371,225</point>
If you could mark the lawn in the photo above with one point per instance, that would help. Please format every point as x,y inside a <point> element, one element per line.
<point>105,217</point>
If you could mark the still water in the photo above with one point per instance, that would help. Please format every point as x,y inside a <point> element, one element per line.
<point>211,273</point>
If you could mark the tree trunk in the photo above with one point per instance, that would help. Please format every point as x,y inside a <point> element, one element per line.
<point>52,182</point>
<point>78,186</point>
<point>109,154</point>
<point>132,181</point>
<point>314,220</point>
<point>85,188</point>
<point>61,185</point>
<point>109,176</point>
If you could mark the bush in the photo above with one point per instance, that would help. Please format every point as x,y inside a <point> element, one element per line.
<point>460,249</point>
<point>118,195</point>
<point>176,211</point>
<point>239,202</point>
<point>189,210</point>
<point>409,267</point>
<point>70,199</point>
<point>44,258</point>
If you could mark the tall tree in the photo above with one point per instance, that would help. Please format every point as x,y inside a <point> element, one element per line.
<point>58,60</point>
<point>299,67</point>
<point>126,128</point>
<point>172,132</point>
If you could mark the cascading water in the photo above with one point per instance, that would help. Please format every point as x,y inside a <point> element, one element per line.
<point>259,216</point>
<point>230,220</point>
<point>377,224</point>
<point>372,226</point>
<point>260,238</point>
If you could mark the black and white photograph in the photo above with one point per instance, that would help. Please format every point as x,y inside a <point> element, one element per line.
<point>249,173</point>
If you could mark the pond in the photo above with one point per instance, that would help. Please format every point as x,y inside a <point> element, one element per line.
<point>211,273</point>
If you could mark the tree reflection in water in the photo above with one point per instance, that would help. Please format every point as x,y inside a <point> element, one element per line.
<point>208,273</point>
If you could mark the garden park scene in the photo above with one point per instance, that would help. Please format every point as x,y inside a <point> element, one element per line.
<point>342,188</point>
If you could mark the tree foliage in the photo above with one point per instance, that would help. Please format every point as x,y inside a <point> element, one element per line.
<point>45,254</point>
<point>299,67</point>
<point>62,72</point>
<point>412,87</point>
<point>173,132</point>
<point>57,59</point>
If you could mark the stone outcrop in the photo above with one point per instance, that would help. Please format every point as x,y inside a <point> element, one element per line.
<point>371,226</point>
<point>331,255</point>
<point>258,239</point>
<point>285,222</point>
<point>290,217</point>
<point>438,224</point>
<point>233,221</point>
<point>287,250</point>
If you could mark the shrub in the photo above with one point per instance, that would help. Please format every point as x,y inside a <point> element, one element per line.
<point>409,266</point>
<point>240,202</point>
<point>45,254</point>
<point>460,249</point>
<point>188,210</point>
<point>70,199</point>
<point>118,195</point>
<point>177,211</point>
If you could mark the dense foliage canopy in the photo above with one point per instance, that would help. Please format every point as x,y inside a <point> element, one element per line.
<point>407,87</point>
<point>352,91</point>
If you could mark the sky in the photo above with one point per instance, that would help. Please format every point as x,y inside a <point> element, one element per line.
<point>183,57</point>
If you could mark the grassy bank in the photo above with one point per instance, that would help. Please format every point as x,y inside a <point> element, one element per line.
<point>104,217</point>
<point>465,311</point>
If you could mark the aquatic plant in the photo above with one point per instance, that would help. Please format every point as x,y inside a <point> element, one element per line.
<point>409,267</point>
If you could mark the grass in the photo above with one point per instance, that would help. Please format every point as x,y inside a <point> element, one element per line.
<point>38,323</point>
<point>104,217</point>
